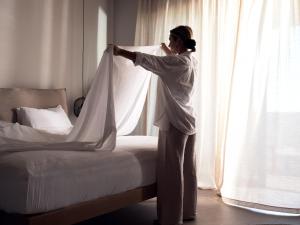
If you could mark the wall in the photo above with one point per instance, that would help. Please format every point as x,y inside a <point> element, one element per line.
<point>41,43</point>
<point>97,33</point>
<point>125,13</point>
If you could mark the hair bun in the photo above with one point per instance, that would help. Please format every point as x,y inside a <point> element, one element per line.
<point>190,44</point>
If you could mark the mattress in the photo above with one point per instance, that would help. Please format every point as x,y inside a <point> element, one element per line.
<point>40,181</point>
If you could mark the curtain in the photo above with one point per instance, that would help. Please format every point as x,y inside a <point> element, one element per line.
<point>150,31</point>
<point>247,104</point>
<point>262,160</point>
<point>155,19</point>
<point>215,45</point>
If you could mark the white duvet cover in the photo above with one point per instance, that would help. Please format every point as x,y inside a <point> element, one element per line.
<point>40,181</point>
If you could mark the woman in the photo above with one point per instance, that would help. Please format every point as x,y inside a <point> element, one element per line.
<point>176,174</point>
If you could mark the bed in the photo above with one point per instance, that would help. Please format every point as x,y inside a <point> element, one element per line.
<point>67,187</point>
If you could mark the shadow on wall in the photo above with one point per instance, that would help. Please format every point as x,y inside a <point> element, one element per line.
<point>95,37</point>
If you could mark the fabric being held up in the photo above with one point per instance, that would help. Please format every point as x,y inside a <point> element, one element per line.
<point>131,85</point>
<point>112,107</point>
<point>117,100</point>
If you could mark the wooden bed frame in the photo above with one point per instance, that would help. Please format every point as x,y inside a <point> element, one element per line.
<point>10,98</point>
<point>82,211</point>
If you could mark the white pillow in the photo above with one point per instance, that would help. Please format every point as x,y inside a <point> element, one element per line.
<point>51,120</point>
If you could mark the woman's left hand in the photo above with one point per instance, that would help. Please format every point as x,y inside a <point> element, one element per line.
<point>116,49</point>
<point>166,49</point>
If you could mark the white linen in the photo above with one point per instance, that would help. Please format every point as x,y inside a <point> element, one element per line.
<point>115,100</point>
<point>20,132</point>
<point>175,89</point>
<point>52,120</point>
<point>119,85</point>
<point>39,181</point>
<point>131,86</point>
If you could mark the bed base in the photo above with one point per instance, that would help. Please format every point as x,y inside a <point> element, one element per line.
<point>82,211</point>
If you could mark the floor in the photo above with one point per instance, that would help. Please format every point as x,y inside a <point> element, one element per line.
<point>211,211</point>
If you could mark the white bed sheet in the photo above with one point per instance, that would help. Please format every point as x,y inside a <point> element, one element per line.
<point>40,181</point>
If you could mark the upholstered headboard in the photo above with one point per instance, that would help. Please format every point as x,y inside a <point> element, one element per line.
<point>11,98</point>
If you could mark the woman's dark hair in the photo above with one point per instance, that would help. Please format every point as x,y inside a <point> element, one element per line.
<point>185,33</point>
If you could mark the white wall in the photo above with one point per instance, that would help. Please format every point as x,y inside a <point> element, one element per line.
<point>41,43</point>
<point>125,12</point>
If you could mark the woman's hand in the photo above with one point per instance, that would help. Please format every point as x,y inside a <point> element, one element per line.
<point>165,48</point>
<point>122,52</point>
<point>116,49</point>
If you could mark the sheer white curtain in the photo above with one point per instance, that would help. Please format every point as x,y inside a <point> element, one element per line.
<point>248,107</point>
<point>215,50</point>
<point>262,160</point>
<point>154,21</point>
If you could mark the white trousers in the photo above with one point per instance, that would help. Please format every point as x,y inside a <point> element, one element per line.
<point>176,177</point>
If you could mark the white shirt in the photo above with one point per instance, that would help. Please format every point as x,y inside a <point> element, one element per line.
<point>175,89</point>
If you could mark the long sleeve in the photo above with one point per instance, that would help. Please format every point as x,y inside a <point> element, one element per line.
<point>163,66</point>
<point>174,99</point>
